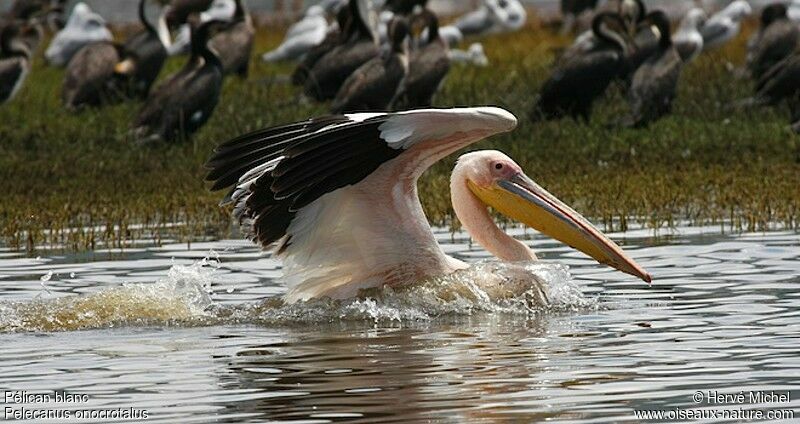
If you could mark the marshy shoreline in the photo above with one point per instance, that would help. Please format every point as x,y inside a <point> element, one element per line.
<point>76,181</point>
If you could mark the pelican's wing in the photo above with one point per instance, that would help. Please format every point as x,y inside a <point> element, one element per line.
<point>338,193</point>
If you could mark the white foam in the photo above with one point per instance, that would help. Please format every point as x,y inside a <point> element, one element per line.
<point>183,298</point>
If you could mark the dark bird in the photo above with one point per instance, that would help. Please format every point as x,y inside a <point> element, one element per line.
<point>329,73</point>
<point>143,56</point>
<point>184,102</point>
<point>404,7</point>
<point>776,39</point>
<point>429,63</point>
<point>335,37</point>
<point>632,12</point>
<point>87,79</point>
<point>372,86</point>
<point>655,83</point>
<point>178,11</point>
<point>15,61</point>
<point>576,82</point>
<point>26,9</point>
<point>103,71</point>
<point>779,83</point>
<point>234,45</point>
<point>571,9</point>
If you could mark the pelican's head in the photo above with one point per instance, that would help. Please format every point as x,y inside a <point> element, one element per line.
<point>499,182</point>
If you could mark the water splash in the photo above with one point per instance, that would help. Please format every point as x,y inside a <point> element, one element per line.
<point>182,298</point>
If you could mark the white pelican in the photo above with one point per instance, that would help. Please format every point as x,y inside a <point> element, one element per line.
<point>301,37</point>
<point>725,25</point>
<point>494,16</point>
<point>83,27</point>
<point>338,197</point>
<point>688,40</point>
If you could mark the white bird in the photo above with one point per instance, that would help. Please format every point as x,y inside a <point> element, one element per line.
<point>449,33</point>
<point>301,36</point>
<point>473,56</point>
<point>688,40</point>
<point>83,27</point>
<point>222,10</point>
<point>494,16</point>
<point>724,25</point>
<point>338,197</point>
<point>793,10</point>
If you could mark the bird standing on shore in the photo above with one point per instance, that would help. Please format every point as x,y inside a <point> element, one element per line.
<point>429,63</point>
<point>234,45</point>
<point>725,24</point>
<point>373,86</point>
<point>655,83</point>
<point>83,27</point>
<point>688,40</point>
<point>184,101</point>
<point>359,46</point>
<point>15,61</point>
<point>577,81</point>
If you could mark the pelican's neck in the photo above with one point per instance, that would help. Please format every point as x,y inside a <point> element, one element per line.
<point>474,216</point>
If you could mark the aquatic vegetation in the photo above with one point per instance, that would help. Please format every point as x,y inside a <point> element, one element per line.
<point>76,181</point>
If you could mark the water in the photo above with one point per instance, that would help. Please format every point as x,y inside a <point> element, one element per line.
<point>185,335</point>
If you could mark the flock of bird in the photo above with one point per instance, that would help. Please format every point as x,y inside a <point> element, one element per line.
<point>336,195</point>
<point>368,55</point>
<point>360,54</point>
<point>637,48</point>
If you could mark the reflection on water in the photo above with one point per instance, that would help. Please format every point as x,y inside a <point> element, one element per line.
<point>723,314</point>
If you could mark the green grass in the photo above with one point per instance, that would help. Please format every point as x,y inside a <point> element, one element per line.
<point>75,181</point>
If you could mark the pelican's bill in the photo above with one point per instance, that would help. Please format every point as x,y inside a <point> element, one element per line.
<point>525,201</point>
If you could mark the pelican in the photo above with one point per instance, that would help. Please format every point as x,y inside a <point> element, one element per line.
<point>725,25</point>
<point>15,61</point>
<point>83,27</point>
<point>577,81</point>
<point>776,39</point>
<point>338,197</point>
<point>688,40</point>
<point>301,37</point>
<point>655,83</point>
<point>235,44</point>
<point>373,85</point>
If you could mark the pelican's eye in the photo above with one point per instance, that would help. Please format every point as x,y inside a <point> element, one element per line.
<point>498,166</point>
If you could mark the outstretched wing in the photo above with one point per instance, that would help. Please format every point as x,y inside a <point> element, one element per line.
<point>338,193</point>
